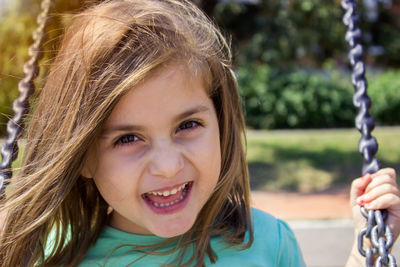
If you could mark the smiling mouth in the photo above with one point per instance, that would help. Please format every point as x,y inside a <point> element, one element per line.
<point>168,200</point>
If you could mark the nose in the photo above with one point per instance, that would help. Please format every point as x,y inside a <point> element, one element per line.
<point>166,160</point>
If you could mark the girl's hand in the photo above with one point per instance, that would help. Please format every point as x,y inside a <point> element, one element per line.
<point>376,191</point>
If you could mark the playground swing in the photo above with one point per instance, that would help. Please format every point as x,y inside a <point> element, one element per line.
<point>379,233</point>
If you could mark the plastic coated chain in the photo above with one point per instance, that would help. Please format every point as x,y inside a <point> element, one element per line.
<point>380,234</point>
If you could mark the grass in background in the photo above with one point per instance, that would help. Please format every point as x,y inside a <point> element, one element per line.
<point>313,160</point>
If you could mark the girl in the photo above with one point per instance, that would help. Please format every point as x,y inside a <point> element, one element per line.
<point>134,152</point>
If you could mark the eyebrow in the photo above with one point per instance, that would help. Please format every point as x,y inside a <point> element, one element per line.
<point>131,127</point>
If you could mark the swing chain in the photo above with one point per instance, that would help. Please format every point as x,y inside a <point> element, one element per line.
<point>26,87</point>
<point>381,238</point>
<point>380,234</point>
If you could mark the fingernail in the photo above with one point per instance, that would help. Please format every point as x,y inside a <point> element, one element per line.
<point>360,201</point>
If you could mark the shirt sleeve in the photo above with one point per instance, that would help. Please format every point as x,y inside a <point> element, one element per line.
<point>289,253</point>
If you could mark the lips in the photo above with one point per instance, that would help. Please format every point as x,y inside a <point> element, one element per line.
<point>168,200</point>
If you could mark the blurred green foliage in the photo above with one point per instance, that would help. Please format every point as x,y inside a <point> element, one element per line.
<point>384,89</point>
<point>295,99</point>
<point>282,33</point>
<point>292,62</point>
<point>321,99</point>
<point>286,33</point>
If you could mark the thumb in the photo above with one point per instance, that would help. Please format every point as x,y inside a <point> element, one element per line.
<point>358,187</point>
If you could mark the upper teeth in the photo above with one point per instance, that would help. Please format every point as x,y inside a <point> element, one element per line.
<point>167,193</point>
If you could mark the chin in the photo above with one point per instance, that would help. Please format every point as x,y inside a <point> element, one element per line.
<point>168,231</point>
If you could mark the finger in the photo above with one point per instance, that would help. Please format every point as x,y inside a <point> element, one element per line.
<point>358,187</point>
<point>379,180</point>
<point>377,192</point>
<point>388,171</point>
<point>383,202</point>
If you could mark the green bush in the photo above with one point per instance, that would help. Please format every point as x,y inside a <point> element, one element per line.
<point>284,34</point>
<point>384,91</point>
<point>299,99</point>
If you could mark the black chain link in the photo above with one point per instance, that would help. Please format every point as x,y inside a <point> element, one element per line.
<point>380,234</point>
<point>26,87</point>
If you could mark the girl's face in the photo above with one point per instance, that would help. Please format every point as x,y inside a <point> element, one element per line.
<point>158,158</point>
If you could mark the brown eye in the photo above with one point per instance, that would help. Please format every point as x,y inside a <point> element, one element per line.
<point>127,139</point>
<point>187,125</point>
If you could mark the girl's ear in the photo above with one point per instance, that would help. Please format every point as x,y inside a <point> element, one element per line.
<point>85,172</point>
<point>89,164</point>
<point>87,168</point>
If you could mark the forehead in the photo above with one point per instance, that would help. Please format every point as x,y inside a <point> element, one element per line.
<point>162,96</point>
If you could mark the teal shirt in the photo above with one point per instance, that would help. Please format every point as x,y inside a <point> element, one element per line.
<point>274,245</point>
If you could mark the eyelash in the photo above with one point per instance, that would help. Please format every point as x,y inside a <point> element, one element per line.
<point>122,141</point>
<point>197,124</point>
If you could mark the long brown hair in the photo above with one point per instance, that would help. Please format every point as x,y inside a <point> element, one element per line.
<point>108,50</point>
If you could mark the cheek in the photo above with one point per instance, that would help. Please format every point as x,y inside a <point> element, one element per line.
<point>214,160</point>
<point>113,178</point>
<point>205,153</point>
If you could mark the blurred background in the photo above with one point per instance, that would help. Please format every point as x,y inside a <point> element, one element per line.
<point>291,62</point>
